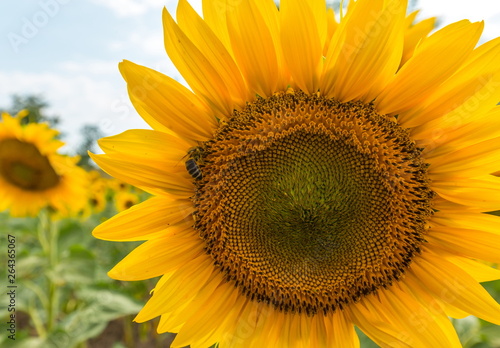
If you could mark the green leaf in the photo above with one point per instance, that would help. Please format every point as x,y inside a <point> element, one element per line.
<point>468,330</point>
<point>365,341</point>
<point>32,342</point>
<point>101,307</point>
<point>77,267</point>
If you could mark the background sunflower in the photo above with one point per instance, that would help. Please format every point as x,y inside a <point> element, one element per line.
<point>33,175</point>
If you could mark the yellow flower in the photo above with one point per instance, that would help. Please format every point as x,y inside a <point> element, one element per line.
<point>414,33</point>
<point>116,185</point>
<point>125,200</point>
<point>97,183</point>
<point>97,202</point>
<point>33,175</point>
<point>96,194</point>
<point>325,184</point>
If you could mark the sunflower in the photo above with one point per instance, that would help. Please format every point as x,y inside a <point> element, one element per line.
<point>33,175</point>
<point>97,183</point>
<point>317,176</point>
<point>125,200</point>
<point>96,194</point>
<point>116,185</point>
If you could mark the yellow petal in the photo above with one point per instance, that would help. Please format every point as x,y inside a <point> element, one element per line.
<point>482,193</point>
<point>473,88</point>
<point>370,52</point>
<point>150,177</point>
<point>196,69</point>
<point>254,49</point>
<point>265,333</point>
<point>319,336</point>
<point>365,317</point>
<point>212,49</point>
<point>471,221</point>
<point>480,271</point>
<point>482,60</point>
<point>343,333</point>
<point>167,105</point>
<point>301,44</point>
<point>249,325</point>
<point>433,305</point>
<point>469,102</point>
<point>201,327</point>
<point>421,76</point>
<point>411,18</point>
<point>226,333</point>
<point>319,11</point>
<point>424,326</point>
<point>417,318</point>
<point>458,132</point>
<point>130,225</point>
<point>451,284</point>
<point>181,288</point>
<point>332,27</point>
<point>158,256</point>
<point>472,243</point>
<point>215,14</point>
<point>414,34</point>
<point>166,149</point>
<point>475,160</point>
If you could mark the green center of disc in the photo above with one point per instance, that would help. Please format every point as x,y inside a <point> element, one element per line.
<point>309,204</point>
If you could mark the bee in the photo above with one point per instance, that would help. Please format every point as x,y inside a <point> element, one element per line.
<point>193,163</point>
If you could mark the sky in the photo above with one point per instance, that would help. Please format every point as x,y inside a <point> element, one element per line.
<point>67,51</point>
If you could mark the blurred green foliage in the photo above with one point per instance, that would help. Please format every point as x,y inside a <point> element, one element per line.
<point>89,307</point>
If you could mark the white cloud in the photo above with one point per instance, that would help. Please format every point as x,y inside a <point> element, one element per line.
<point>449,11</point>
<point>152,45</point>
<point>152,49</point>
<point>97,67</point>
<point>79,99</point>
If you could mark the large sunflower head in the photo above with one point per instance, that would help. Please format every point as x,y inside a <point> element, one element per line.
<point>316,176</point>
<point>33,175</point>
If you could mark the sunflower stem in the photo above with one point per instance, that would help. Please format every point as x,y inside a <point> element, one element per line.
<point>48,237</point>
<point>35,318</point>
<point>128,334</point>
<point>42,228</point>
<point>53,288</point>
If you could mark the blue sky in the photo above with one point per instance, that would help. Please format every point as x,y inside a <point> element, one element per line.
<point>68,52</point>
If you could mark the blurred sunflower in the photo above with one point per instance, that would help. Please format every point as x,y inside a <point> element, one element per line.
<point>96,203</point>
<point>96,194</point>
<point>125,200</point>
<point>336,175</point>
<point>33,175</point>
<point>116,185</point>
<point>97,182</point>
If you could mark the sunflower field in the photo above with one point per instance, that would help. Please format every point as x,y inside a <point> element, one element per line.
<point>321,179</point>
